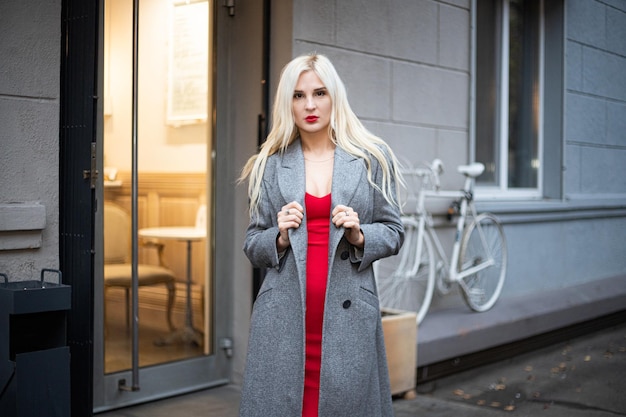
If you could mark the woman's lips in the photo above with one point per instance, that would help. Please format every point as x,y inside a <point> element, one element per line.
<point>311,119</point>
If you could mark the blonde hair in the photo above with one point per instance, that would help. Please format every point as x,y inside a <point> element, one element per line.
<point>345,129</point>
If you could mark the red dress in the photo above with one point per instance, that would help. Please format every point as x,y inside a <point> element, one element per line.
<point>318,228</point>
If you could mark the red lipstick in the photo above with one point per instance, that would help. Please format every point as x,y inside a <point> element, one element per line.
<point>311,119</point>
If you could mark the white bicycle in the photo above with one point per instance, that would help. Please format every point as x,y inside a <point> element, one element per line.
<point>478,259</point>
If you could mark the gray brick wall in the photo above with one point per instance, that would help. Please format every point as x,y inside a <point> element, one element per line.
<point>595,113</point>
<point>29,131</point>
<point>406,67</point>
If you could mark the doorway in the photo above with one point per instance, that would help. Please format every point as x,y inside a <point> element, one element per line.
<point>155,329</point>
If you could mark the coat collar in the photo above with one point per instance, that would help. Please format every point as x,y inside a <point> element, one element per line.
<point>292,181</point>
<point>347,172</point>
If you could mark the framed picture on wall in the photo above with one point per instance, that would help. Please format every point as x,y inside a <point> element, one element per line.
<point>188,63</point>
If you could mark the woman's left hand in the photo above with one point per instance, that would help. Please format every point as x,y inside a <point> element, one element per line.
<point>344,216</point>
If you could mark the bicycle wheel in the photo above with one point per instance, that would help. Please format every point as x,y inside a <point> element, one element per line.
<point>404,281</point>
<point>483,241</point>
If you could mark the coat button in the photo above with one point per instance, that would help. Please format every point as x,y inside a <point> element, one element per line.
<point>345,255</point>
<point>347,304</point>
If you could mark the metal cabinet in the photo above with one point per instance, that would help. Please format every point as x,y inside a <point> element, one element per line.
<point>34,356</point>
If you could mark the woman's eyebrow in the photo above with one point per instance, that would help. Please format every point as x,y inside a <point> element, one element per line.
<point>315,90</point>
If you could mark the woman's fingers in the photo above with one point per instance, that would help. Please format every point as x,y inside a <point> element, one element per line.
<point>289,217</point>
<point>291,213</point>
<point>344,216</point>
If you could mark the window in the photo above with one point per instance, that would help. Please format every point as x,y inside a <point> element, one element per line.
<point>509,95</point>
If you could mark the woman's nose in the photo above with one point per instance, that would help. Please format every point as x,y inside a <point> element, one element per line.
<point>310,103</point>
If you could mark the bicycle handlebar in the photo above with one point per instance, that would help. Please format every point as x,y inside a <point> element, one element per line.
<point>436,168</point>
<point>432,170</point>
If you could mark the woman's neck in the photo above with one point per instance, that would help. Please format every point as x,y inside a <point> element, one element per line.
<point>317,147</point>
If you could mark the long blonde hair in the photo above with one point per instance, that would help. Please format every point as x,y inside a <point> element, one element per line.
<point>345,129</point>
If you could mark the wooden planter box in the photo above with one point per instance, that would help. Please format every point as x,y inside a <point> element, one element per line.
<point>400,332</point>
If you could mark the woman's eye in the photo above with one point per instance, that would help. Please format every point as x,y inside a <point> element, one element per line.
<point>298,95</point>
<point>320,93</point>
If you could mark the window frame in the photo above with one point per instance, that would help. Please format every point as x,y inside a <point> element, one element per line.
<point>501,191</point>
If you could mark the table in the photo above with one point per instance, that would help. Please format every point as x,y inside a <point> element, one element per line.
<point>188,334</point>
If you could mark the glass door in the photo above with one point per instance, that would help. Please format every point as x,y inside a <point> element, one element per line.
<point>155,322</point>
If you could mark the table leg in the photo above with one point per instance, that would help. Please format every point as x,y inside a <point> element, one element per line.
<point>189,312</point>
<point>188,334</point>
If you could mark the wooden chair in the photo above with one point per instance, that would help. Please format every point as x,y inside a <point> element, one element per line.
<point>117,266</point>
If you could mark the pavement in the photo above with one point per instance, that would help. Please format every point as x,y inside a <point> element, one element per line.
<point>581,377</point>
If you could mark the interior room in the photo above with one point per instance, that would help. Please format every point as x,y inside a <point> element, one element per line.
<point>170,129</point>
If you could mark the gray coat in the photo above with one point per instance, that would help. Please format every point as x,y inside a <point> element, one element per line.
<point>354,379</point>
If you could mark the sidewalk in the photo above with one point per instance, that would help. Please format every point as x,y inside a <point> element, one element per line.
<point>585,376</point>
<point>582,377</point>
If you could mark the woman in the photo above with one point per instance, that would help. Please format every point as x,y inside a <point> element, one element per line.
<point>322,209</point>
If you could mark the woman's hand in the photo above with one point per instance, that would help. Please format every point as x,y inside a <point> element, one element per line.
<point>344,216</point>
<point>289,217</point>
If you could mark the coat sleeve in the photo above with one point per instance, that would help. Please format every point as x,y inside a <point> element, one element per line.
<point>262,232</point>
<point>385,234</point>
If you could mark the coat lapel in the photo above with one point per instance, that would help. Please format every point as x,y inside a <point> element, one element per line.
<point>347,173</point>
<point>291,180</point>
<point>292,185</point>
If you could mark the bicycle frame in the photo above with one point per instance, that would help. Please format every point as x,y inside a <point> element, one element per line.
<point>477,261</point>
<point>426,225</point>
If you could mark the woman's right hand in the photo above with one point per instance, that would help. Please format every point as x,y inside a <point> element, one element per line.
<point>289,217</point>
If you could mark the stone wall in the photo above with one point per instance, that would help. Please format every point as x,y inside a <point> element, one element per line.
<point>29,136</point>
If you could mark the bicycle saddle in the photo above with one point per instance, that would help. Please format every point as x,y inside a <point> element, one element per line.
<point>471,170</point>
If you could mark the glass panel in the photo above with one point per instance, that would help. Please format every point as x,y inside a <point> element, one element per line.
<point>487,87</point>
<point>173,192</point>
<point>524,98</point>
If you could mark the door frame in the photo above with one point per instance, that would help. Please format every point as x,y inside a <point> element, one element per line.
<point>80,245</point>
<point>77,110</point>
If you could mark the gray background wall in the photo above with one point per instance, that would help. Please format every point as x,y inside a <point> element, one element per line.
<point>29,136</point>
<point>596,100</point>
<point>406,68</point>
<point>406,65</point>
